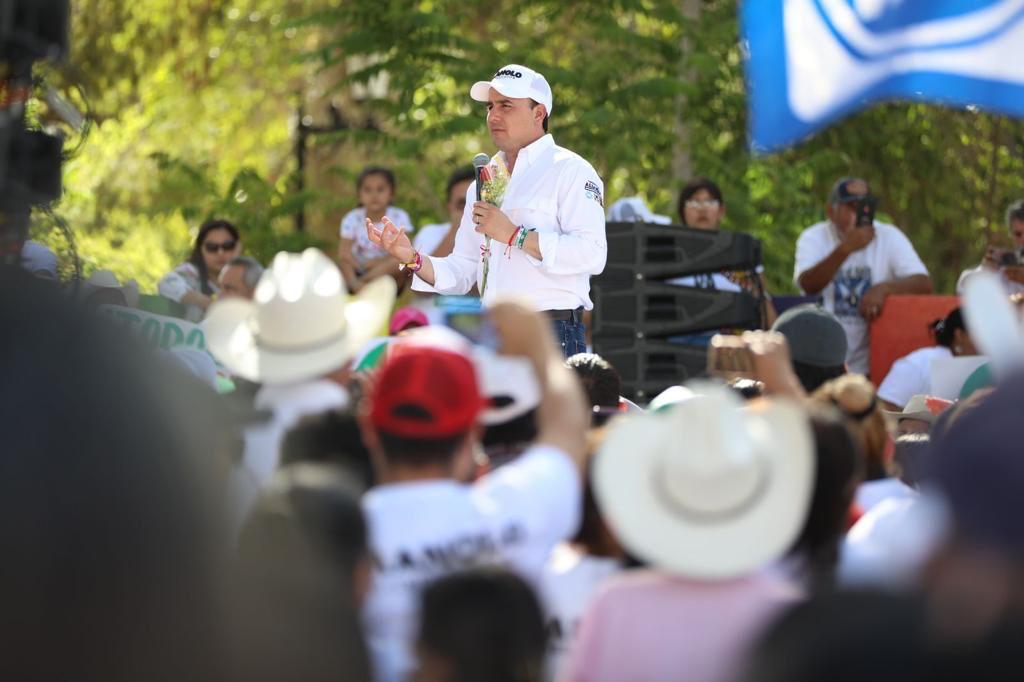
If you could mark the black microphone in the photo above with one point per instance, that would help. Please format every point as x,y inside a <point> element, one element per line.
<point>479,162</point>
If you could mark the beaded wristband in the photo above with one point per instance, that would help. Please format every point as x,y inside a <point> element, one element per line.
<point>523,233</point>
<point>518,234</point>
<point>415,266</point>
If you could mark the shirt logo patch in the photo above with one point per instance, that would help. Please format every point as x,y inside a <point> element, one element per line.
<point>593,192</point>
<point>850,286</point>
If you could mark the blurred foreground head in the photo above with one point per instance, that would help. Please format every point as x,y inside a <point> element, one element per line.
<point>302,572</point>
<point>105,519</point>
<point>976,462</point>
<point>484,624</point>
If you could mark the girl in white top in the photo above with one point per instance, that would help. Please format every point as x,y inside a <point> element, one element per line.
<point>360,259</point>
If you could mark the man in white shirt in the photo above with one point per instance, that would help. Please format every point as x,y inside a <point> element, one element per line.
<point>856,266</point>
<point>1005,262</point>
<point>421,427</point>
<point>548,236</point>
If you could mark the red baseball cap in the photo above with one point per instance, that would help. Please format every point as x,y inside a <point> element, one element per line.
<point>426,392</point>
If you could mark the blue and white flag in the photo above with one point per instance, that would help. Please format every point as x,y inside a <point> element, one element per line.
<point>811,62</point>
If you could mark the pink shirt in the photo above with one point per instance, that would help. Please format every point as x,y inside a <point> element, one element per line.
<point>646,625</point>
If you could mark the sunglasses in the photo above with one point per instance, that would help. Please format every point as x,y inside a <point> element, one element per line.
<point>214,247</point>
<point>698,203</point>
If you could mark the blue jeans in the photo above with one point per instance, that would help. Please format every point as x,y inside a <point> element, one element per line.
<point>571,336</point>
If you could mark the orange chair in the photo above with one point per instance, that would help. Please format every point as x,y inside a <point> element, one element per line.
<point>903,327</point>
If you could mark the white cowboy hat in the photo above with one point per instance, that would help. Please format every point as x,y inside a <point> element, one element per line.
<point>301,323</point>
<point>708,489</point>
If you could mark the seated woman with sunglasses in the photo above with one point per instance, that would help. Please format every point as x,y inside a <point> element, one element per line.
<point>702,206</point>
<point>194,282</point>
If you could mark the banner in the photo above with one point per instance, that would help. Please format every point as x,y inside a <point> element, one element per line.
<point>948,375</point>
<point>159,331</point>
<point>810,62</point>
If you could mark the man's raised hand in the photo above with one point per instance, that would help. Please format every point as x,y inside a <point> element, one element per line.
<point>392,239</point>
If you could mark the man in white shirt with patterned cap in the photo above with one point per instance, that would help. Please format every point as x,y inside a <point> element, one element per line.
<point>547,237</point>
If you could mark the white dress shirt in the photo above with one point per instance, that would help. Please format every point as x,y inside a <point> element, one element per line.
<point>555,192</point>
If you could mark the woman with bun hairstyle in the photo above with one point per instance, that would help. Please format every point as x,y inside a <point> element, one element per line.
<point>911,374</point>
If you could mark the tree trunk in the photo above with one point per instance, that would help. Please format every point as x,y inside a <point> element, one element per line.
<point>682,164</point>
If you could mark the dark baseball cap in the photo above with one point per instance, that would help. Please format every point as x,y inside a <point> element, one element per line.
<point>976,463</point>
<point>842,191</point>
<point>814,335</point>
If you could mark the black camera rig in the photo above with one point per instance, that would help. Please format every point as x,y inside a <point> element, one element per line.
<point>30,160</point>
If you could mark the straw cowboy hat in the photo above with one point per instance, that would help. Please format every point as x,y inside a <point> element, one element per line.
<point>302,323</point>
<point>708,488</point>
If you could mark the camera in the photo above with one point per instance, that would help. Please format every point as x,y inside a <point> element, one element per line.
<point>1010,257</point>
<point>865,209</point>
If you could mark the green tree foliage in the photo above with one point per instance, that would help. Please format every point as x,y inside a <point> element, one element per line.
<point>944,175</point>
<point>191,103</point>
<point>195,104</point>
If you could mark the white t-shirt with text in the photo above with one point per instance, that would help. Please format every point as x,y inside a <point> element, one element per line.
<point>889,256</point>
<point>422,530</point>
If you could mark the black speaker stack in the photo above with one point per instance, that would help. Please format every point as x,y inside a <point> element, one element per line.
<point>641,322</point>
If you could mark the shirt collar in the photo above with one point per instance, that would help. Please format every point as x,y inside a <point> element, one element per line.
<point>534,150</point>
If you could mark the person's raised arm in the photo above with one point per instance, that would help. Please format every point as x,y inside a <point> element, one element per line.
<point>562,417</point>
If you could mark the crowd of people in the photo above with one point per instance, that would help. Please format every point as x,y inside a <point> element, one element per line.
<point>378,490</point>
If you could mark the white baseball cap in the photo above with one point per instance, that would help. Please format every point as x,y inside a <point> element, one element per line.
<point>515,80</point>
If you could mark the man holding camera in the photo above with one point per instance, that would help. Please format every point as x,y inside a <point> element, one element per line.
<point>1009,263</point>
<point>855,262</point>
